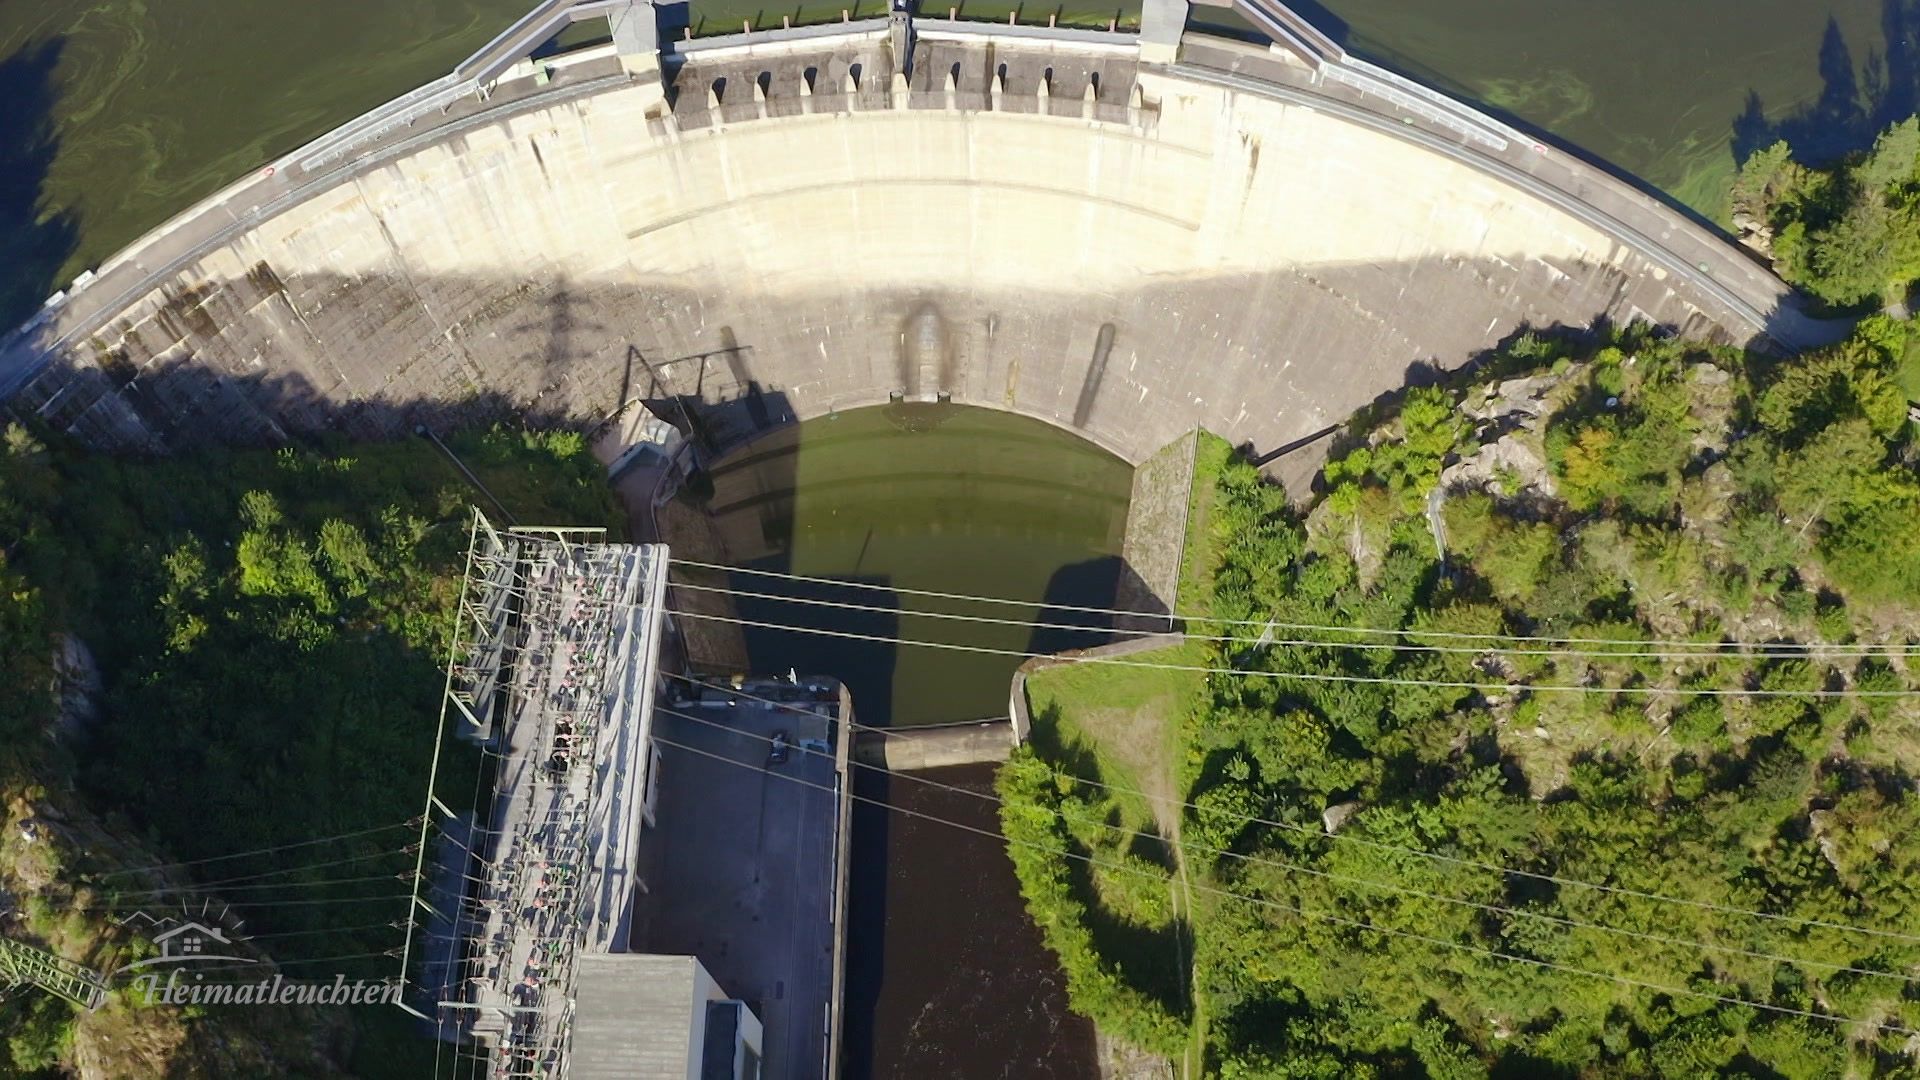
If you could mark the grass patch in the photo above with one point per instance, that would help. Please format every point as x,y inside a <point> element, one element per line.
<point>1197,552</point>
<point>1125,719</point>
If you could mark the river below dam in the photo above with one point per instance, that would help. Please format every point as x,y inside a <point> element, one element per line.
<point>946,975</point>
<point>121,113</point>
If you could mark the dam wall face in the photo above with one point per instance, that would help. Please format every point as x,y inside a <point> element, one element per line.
<point>1052,229</point>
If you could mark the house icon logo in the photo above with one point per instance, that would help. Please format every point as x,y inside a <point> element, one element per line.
<point>189,941</point>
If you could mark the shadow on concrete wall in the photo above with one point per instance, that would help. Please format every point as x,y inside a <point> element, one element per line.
<point>1266,356</point>
<point>34,243</point>
<point>1857,100</point>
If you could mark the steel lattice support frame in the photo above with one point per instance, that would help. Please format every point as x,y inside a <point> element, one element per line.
<point>551,670</point>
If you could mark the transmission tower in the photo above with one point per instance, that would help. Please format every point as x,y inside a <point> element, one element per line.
<point>22,964</point>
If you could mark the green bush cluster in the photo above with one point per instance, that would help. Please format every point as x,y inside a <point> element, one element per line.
<point>1849,234</point>
<point>1037,827</point>
<point>1407,466</point>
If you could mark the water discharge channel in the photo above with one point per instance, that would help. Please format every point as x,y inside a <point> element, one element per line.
<point>947,975</point>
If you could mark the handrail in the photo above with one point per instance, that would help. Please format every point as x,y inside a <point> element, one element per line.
<point>540,15</point>
<point>1293,31</point>
<point>485,65</point>
<point>1416,97</point>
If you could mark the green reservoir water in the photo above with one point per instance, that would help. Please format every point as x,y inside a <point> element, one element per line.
<point>121,112</point>
<point>929,497</point>
<point>954,500</point>
<point>1667,90</point>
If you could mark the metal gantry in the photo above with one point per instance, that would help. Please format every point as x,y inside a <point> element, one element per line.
<point>22,964</point>
<point>550,621</point>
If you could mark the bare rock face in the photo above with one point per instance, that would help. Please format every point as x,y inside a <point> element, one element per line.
<point>1509,464</point>
<point>1524,398</point>
<point>77,686</point>
<point>1822,823</point>
<point>1334,817</point>
<point>1713,400</point>
<point>1754,232</point>
<point>1119,1061</point>
<point>1508,460</point>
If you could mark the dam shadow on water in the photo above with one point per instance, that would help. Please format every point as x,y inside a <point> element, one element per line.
<point>36,242</point>
<point>947,976</point>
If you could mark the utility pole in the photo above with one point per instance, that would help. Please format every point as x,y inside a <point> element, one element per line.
<point>21,964</point>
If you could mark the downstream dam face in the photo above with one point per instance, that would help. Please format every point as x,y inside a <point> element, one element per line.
<point>1122,239</point>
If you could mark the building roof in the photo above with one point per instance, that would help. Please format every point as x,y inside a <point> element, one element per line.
<point>633,1016</point>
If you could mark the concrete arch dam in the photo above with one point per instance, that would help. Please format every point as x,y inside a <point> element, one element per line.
<point>1040,222</point>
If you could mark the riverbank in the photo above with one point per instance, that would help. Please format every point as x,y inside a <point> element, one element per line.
<point>1117,730</point>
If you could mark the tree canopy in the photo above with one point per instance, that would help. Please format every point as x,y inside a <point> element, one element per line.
<point>1650,873</point>
<point>269,628</point>
<point>1849,234</point>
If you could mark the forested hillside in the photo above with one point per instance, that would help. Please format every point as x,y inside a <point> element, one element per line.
<point>1615,781</point>
<point>250,645</point>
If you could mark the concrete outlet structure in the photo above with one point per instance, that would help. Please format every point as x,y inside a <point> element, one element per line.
<point>1126,235</point>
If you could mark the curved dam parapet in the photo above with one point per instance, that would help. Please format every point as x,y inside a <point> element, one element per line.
<point>779,225</point>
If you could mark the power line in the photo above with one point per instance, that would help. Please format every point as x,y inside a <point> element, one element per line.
<point>324,930</point>
<point>324,883</point>
<point>1314,677</point>
<point>208,885</point>
<point>261,851</point>
<point>270,963</point>
<point>1769,650</point>
<point>1301,676</point>
<point>1791,649</point>
<point>1347,837</point>
<point>1316,915</point>
<point>271,903</point>
<point>1328,875</point>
